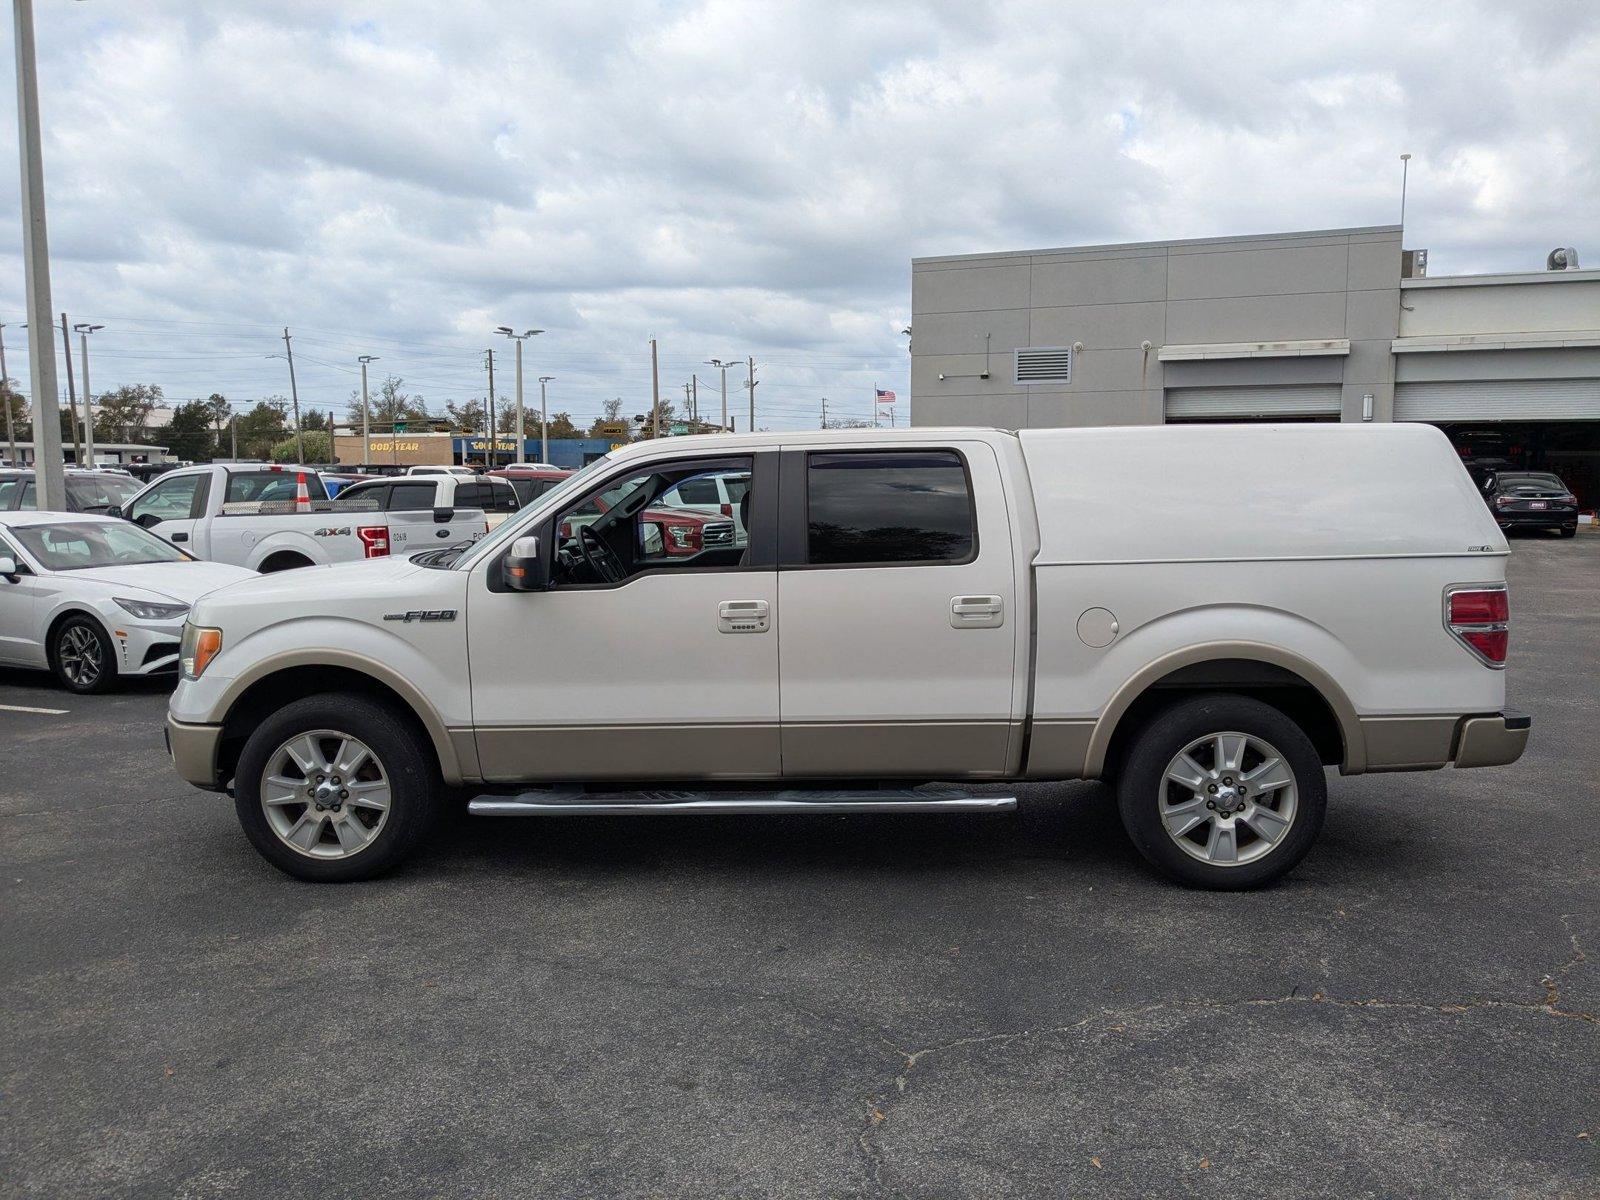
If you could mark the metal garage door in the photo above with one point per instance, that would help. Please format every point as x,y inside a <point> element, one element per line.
<point>1498,400</point>
<point>1253,403</point>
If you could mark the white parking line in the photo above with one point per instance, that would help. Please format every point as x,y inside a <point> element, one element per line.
<point>49,712</point>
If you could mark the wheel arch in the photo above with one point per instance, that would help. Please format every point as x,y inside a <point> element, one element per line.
<point>60,617</point>
<point>1304,690</point>
<point>280,678</point>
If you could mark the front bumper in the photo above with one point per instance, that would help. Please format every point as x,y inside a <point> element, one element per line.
<point>1492,741</point>
<point>193,749</point>
<point>146,649</point>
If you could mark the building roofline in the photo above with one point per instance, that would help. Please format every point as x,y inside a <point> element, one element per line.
<point>1295,235</point>
<point>1502,277</point>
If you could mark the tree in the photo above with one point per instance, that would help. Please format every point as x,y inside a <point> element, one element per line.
<point>644,423</point>
<point>11,399</point>
<point>389,405</point>
<point>312,418</point>
<point>610,411</point>
<point>125,413</point>
<point>561,426</point>
<point>189,434</point>
<point>468,417</point>
<point>319,448</point>
<point>221,412</point>
<point>262,427</point>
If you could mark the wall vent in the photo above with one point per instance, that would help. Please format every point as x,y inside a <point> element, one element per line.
<point>1044,364</point>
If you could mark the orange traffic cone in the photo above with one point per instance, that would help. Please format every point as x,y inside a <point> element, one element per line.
<point>302,497</point>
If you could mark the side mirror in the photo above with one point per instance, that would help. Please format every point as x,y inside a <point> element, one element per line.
<point>524,567</point>
<point>443,516</point>
<point>114,510</point>
<point>8,567</point>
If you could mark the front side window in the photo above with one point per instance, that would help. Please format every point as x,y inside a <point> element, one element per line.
<point>170,500</point>
<point>78,545</point>
<point>905,507</point>
<point>627,528</point>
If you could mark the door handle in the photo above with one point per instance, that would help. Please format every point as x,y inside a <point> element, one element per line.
<point>742,616</point>
<point>180,537</point>
<point>977,612</point>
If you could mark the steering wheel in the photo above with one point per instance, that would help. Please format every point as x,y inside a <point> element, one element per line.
<point>598,555</point>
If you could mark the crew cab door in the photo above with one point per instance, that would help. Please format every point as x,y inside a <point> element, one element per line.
<point>898,589</point>
<point>640,662</point>
<point>171,507</point>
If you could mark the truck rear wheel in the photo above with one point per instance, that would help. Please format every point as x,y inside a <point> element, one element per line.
<point>334,788</point>
<point>1222,792</point>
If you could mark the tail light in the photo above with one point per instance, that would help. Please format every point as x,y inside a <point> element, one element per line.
<point>1478,616</point>
<point>374,540</point>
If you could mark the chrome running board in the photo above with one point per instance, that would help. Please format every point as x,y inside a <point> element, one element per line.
<point>552,803</point>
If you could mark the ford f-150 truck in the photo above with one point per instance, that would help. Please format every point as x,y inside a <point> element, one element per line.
<point>246,514</point>
<point>1206,616</point>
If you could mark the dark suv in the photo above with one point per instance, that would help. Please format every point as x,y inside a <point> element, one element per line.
<point>87,491</point>
<point>1532,500</point>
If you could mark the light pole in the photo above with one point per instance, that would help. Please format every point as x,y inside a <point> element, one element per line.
<point>366,420</point>
<point>519,338</point>
<point>1405,170</point>
<point>544,421</point>
<point>294,395</point>
<point>48,466</point>
<point>723,367</point>
<point>83,330</point>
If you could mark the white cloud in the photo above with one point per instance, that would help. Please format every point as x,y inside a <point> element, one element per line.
<point>739,178</point>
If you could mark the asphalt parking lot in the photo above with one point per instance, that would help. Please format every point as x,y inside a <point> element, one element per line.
<point>928,1006</point>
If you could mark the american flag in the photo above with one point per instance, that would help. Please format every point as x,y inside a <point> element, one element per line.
<point>884,397</point>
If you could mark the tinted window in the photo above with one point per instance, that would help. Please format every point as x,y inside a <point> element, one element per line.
<point>502,497</point>
<point>8,492</point>
<point>30,496</point>
<point>470,495</point>
<point>696,491</point>
<point>363,496</point>
<point>98,493</point>
<point>888,508</point>
<point>408,497</point>
<point>271,485</point>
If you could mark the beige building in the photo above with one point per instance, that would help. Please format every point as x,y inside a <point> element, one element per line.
<point>403,449</point>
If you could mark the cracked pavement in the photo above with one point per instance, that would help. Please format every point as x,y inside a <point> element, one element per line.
<point>853,1006</point>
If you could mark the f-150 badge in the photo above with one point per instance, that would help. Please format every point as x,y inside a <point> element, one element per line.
<point>423,614</point>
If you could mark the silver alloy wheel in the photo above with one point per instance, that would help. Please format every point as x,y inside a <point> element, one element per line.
<point>80,655</point>
<point>1228,798</point>
<point>325,794</point>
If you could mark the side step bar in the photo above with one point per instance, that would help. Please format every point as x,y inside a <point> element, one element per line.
<point>552,803</point>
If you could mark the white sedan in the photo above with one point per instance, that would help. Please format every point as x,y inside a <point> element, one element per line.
<point>92,598</point>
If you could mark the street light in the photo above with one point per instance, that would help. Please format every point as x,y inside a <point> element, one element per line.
<point>723,367</point>
<point>366,427</point>
<point>544,421</point>
<point>83,330</point>
<point>519,338</point>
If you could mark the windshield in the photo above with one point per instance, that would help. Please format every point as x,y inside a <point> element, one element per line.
<point>1534,479</point>
<point>98,493</point>
<point>79,545</point>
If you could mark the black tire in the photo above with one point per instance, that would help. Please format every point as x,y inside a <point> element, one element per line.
<point>1143,789</point>
<point>77,636</point>
<point>398,746</point>
<point>1569,531</point>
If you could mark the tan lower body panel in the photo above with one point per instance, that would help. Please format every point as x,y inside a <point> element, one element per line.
<point>1408,743</point>
<point>573,753</point>
<point>1057,749</point>
<point>896,749</point>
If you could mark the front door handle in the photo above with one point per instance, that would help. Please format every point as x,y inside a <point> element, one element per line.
<point>180,537</point>
<point>742,616</point>
<point>977,612</point>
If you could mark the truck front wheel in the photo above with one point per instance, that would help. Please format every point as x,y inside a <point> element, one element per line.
<point>1222,792</point>
<point>334,788</point>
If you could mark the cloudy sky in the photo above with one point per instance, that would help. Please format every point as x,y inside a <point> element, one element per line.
<point>397,178</point>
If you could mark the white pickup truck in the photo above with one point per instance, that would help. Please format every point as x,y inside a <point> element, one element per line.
<point>246,514</point>
<point>1208,616</point>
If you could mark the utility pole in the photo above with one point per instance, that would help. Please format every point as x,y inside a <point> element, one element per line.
<point>490,456</point>
<point>723,367</point>
<point>72,401</point>
<point>366,417</point>
<point>5,398</point>
<point>233,434</point>
<point>544,419</point>
<point>83,331</point>
<point>694,407</point>
<point>294,395</point>
<point>824,412</point>
<point>751,384</point>
<point>47,458</point>
<point>655,391</point>
<point>688,402</point>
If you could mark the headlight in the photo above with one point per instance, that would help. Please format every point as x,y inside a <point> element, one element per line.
<point>147,610</point>
<point>682,535</point>
<point>200,645</point>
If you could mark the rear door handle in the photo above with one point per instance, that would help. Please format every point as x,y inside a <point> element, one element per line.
<point>977,612</point>
<point>742,616</point>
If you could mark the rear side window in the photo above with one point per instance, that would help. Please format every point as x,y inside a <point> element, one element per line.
<point>271,485</point>
<point>702,490</point>
<point>905,507</point>
<point>470,495</point>
<point>408,497</point>
<point>502,497</point>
